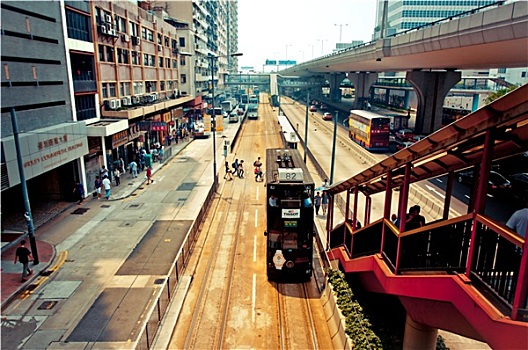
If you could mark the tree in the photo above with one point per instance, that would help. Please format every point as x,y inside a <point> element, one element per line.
<point>498,94</point>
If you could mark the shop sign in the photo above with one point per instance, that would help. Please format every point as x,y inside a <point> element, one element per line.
<point>144,126</point>
<point>119,138</point>
<point>158,126</point>
<point>166,117</point>
<point>134,131</point>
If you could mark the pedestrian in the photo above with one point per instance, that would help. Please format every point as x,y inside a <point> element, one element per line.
<point>325,183</point>
<point>317,202</point>
<point>106,185</point>
<point>24,256</point>
<point>168,140</point>
<point>258,172</point>
<point>272,201</point>
<point>324,202</point>
<point>117,176</point>
<point>149,176</point>
<point>97,186</point>
<point>103,172</point>
<point>240,170</point>
<point>235,167</point>
<point>228,176</point>
<point>160,154</point>
<point>78,189</point>
<point>519,219</point>
<point>133,168</point>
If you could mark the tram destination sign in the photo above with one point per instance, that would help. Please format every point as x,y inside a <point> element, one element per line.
<point>290,175</point>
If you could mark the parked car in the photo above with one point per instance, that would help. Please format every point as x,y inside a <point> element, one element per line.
<point>519,182</point>
<point>327,116</point>
<point>313,108</point>
<point>405,134</point>
<point>396,145</point>
<point>496,181</point>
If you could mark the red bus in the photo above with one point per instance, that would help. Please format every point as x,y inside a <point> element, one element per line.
<point>369,129</point>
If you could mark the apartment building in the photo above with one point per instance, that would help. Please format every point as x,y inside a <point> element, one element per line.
<point>36,93</point>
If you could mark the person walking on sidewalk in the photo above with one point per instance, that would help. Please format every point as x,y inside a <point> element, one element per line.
<point>24,256</point>
<point>324,202</point>
<point>97,185</point>
<point>106,185</point>
<point>228,176</point>
<point>78,189</point>
<point>149,176</point>
<point>317,202</point>
<point>133,168</point>
<point>117,176</point>
<point>240,170</point>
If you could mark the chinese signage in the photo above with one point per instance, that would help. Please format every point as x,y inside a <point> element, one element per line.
<point>158,126</point>
<point>119,138</point>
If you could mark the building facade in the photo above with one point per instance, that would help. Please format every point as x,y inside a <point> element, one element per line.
<point>37,92</point>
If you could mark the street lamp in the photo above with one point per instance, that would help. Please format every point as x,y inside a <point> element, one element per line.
<point>340,29</point>
<point>212,59</point>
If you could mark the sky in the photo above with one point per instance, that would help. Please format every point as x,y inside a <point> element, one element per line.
<point>299,30</point>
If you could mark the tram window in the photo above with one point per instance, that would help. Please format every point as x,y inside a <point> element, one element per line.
<point>289,240</point>
<point>290,203</point>
<point>274,240</point>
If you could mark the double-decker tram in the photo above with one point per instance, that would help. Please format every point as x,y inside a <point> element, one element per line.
<point>369,130</point>
<point>290,216</point>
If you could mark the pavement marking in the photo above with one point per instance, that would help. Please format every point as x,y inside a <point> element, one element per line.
<point>253,297</point>
<point>255,248</point>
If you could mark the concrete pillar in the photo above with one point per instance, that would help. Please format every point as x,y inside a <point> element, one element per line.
<point>335,80</point>
<point>406,99</point>
<point>475,101</point>
<point>431,89</point>
<point>418,336</point>
<point>362,82</point>
<point>387,96</point>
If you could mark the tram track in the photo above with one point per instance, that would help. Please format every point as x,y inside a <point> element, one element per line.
<point>293,307</point>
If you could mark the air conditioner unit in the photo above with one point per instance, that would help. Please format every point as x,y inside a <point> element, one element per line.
<point>113,32</point>
<point>104,29</point>
<point>155,96</point>
<point>176,93</point>
<point>136,99</point>
<point>159,47</point>
<point>111,104</point>
<point>126,101</point>
<point>136,40</point>
<point>146,99</point>
<point>125,38</point>
<point>107,18</point>
<point>118,104</point>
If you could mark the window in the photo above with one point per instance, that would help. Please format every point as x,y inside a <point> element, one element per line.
<point>120,24</point>
<point>159,38</point>
<point>174,64</point>
<point>112,89</point>
<point>145,59</point>
<point>182,42</point>
<point>162,85</point>
<point>183,78</point>
<point>169,85</point>
<point>167,63</point>
<point>85,107</point>
<point>134,28</point>
<point>124,89</point>
<point>136,58</point>
<point>104,90</point>
<point>78,26</point>
<point>173,44</point>
<point>167,41</point>
<point>523,74</point>
<point>138,88</point>
<point>144,33</point>
<point>122,56</point>
<point>182,60</point>
<point>101,53</point>
<point>160,62</point>
<point>151,86</point>
<point>150,35</point>
<point>109,54</point>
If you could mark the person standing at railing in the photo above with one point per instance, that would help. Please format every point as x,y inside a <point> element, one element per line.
<point>518,222</point>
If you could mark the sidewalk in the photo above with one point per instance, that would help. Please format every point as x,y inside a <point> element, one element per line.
<point>11,286</point>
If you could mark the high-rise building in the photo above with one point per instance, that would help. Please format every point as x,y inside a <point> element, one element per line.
<point>407,14</point>
<point>215,28</point>
<point>37,89</point>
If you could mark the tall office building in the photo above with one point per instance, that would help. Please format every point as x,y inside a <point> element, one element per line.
<point>215,28</point>
<point>407,14</point>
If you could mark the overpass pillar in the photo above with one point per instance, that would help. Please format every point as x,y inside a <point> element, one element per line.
<point>431,89</point>
<point>335,80</point>
<point>362,82</point>
<point>406,100</point>
<point>475,101</point>
<point>418,336</point>
<point>387,96</point>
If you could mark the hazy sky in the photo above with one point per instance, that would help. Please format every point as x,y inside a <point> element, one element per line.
<point>272,29</point>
